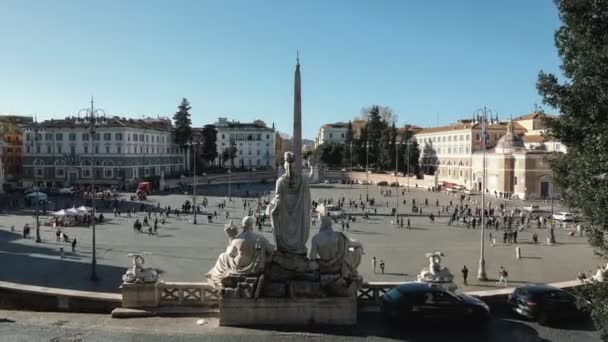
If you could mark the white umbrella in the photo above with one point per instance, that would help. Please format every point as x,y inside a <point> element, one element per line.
<point>71,212</point>
<point>40,195</point>
<point>83,209</point>
<point>59,213</point>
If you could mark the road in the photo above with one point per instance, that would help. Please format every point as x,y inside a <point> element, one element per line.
<point>69,327</point>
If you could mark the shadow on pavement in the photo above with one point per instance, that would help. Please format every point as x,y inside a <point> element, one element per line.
<point>42,265</point>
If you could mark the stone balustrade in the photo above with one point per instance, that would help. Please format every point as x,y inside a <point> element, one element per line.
<point>186,293</point>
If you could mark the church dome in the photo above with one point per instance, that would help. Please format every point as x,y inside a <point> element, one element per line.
<point>509,142</point>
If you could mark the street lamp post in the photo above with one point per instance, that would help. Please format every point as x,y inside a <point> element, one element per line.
<point>95,118</point>
<point>481,272</point>
<point>36,188</point>
<point>351,164</point>
<point>397,180</point>
<point>367,171</point>
<point>194,179</point>
<point>407,164</point>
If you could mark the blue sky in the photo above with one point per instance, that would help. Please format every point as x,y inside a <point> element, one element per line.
<point>431,61</point>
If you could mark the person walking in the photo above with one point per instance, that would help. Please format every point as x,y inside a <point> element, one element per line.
<point>74,245</point>
<point>382,266</point>
<point>504,275</point>
<point>374,264</point>
<point>409,226</point>
<point>465,274</point>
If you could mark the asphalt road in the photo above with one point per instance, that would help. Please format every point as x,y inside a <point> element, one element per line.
<point>68,327</point>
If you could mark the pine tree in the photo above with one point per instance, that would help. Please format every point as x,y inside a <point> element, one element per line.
<point>375,128</point>
<point>429,159</point>
<point>209,137</point>
<point>348,141</point>
<point>183,123</point>
<point>582,100</point>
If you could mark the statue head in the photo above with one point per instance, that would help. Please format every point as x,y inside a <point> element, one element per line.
<point>326,223</point>
<point>289,161</point>
<point>248,223</point>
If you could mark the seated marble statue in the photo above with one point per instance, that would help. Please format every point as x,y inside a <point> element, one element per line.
<point>334,251</point>
<point>246,254</point>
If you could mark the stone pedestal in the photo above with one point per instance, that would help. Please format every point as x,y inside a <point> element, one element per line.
<point>288,311</point>
<point>139,295</point>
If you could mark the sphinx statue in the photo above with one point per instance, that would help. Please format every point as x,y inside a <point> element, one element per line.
<point>138,273</point>
<point>437,274</point>
<point>246,255</point>
<point>338,257</point>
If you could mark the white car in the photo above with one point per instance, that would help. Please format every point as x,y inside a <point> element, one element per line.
<point>532,208</point>
<point>563,216</point>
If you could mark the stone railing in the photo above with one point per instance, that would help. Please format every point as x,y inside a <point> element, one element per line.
<point>371,292</point>
<point>186,293</point>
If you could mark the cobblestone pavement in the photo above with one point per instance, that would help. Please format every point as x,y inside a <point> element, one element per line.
<point>16,326</point>
<point>184,252</point>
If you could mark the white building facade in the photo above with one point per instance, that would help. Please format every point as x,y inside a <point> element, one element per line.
<point>254,143</point>
<point>331,133</point>
<point>60,153</point>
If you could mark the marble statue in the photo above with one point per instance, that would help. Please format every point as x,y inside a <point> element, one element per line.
<point>137,273</point>
<point>291,211</point>
<point>246,254</point>
<point>437,274</point>
<point>334,251</point>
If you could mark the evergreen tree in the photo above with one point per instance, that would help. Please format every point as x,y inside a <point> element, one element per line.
<point>429,159</point>
<point>209,140</point>
<point>183,123</point>
<point>582,100</point>
<point>410,152</point>
<point>348,141</point>
<point>386,156</point>
<point>375,128</point>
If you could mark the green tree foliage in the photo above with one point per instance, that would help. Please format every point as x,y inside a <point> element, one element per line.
<point>209,140</point>
<point>375,128</point>
<point>386,154</point>
<point>582,100</point>
<point>410,152</point>
<point>429,159</point>
<point>183,123</point>
<point>329,154</point>
<point>229,154</point>
<point>348,141</point>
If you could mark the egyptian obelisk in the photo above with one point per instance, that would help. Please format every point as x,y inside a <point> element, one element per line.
<point>297,119</point>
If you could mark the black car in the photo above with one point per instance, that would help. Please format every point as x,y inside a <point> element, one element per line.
<point>416,302</point>
<point>544,303</point>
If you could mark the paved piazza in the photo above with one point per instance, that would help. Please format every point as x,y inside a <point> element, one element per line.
<point>184,252</point>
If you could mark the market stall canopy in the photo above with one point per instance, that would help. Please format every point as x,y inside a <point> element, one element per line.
<point>59,213</point>
<point>83,209</point>
<point>41,195</point>
<point>72,211</point>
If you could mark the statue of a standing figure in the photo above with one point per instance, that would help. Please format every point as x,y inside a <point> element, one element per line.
<point>291,211</point>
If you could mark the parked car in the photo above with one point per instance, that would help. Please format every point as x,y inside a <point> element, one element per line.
<point>563,216</point>
<point>382,183</point>
<point>418,302</point>
<point>544,303</point>
<point>532,208</point>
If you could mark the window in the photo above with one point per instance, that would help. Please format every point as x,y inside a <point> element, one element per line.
<point>134,137</point>
<point>477,137</point>
<point>97,136</point>
<point>59,136</point>
<point>107,136</point>
<point>258,152</point>
<point>108,149</point>
<point>118,149</point>
<point>59,149</point>
<point>141,137</point>
<point>223,136</point>
<point>96,148</point>
<point>48,148</point>
<point>72,136</point>
<point>37,148</point>
<point>267,136</point>
<point>118,136</point>
<point>86,149</point>
<point>342,135</point>
<point>331,135</point>
<point>73,149</point>
<point>48,136</point>
<point>59,172</point>
<point>467,137</point>
<point>515,180</point>
<point>107,173</point>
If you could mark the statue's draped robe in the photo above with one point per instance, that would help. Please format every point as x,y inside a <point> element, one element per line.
<point>244,255</point>
<point>291,214</point>
<point>337,252</point>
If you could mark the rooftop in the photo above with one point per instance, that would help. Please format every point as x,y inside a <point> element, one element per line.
<point>77,122</point>
<point>467,125</point>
